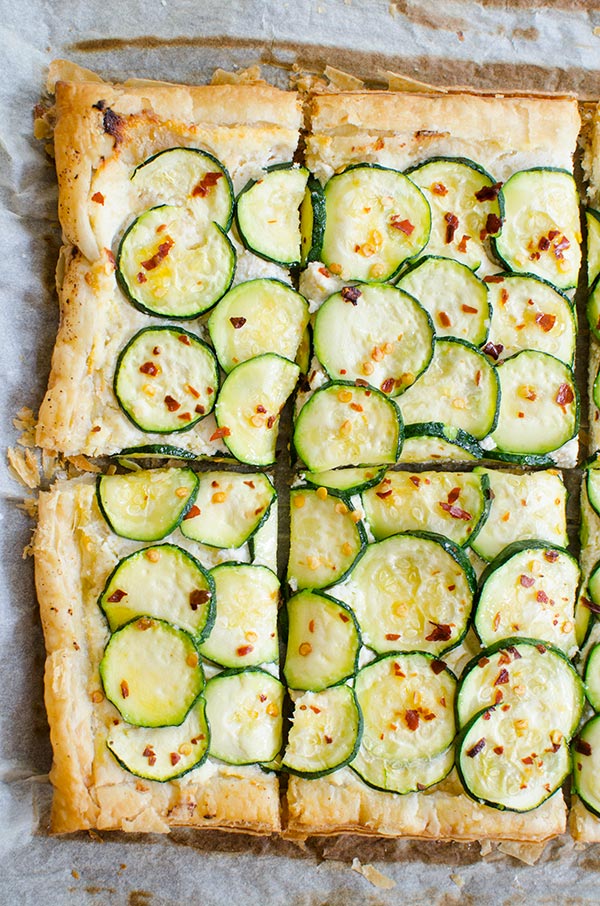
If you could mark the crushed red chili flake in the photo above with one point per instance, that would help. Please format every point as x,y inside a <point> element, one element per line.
<point>468,309</point>
<point>198,597</point>
<point>438,188</point>
<point>344,618</point>
<point>441,632</point>
<point>243,650</point>
<point>560,247</point>
<point>564,395</point>
<point>541,648</point>
<point>502,678</point>
<point>542,597</point>
<point>504,657</point>
<point>492,226</point>
<point>219,433</point>
<point>163,250</point>
<point>477,748</point>
<point>141,278</point>
<point>483,662</point>
<point>328,739</point>
<point>546,322</point>
<point>392,636</point>
<point>148,752</point>
<point>98,197</point>
<point>262,697</point>
<point>384,494</point>
<point>250,484</point>
<point>493,278</point>
<point>412,719</point>
<point>498,696</point>
<point>398,670</point>
<point>175,758</point>
<point>185,416</point>
<point>238,322</point>
<point>117,595</point>
<point>526,581</point>
<point>493,350</point>
<point>206,183</point>
<point>488,193</point>
<point>453,495</point>
<point>325,272</point>
<point>388,385</point>
<point>544,243</point>
<point>438,666</point>
<point>451,226</point>
<point>498,750</point>
<point>514,652</point>
<point>193,511</point>
<point>124,689</point>
<point>351,294</point>
<point>404,226</point>
<point>271,421</point>
<point>551,556</point>
<point>444,319</point>
<point>359,382</point>
<point>455,511</point>
<point>415,480</point>
<point>583,747</point>
<point>149,368</point>
<point>172,404</point>
<point>183,338</point>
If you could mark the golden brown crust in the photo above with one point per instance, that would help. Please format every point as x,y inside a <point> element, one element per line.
<point>74,553</point>
<point>341,803</point>
<point>398,129</point>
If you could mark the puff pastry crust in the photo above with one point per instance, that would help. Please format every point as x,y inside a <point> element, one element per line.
<point>74,552</point>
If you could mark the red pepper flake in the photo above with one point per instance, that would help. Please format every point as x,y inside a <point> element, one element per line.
<point>502,678</point>
<point>205,185</point>
<point>492,226</point>
<point>250,484</point>
<point>243,650</point>
<point>117,595</point>
<point>351,294</point>
<point>238,322</point>
<point>564,395</point>
<point>438,666</point>
<point>488,193</point>
<point>412,719</point>
<point>141,278</point>
<point>271,421</point>
<point>314,709</point>
<point>551,556</point>
<point>526,581</point>
<point>392,636</point>
<point>124,689</point>
<point>149,368</point>
<point>483,662</point>
<point>455,511</point>
<point>514,652</point>
<point>583,747</point>
<point>527,760</point>
<point>493,278</point>
<point>438,188</point>
<point>496,621</point>
<point>498,750</point>
<point>328,739</point>
<point>384,494</point>
<point>183,338</point>
<point>404,226</point>
<point>468,309</point>
<point>415,480</point>
<point>462,245</point>
<point>560,247</point>
<point>504,657</point>
<point>498,696</point>
<point>148,752</point>
<point>452,226</point>
<point>360,382</point>
<point>444,319</point>
<point>311,626</point>
<point>388,385</point>
<point>157,350</point>
<point>172,404</point>
<point>552,234</point>
<point>441,632</point>
<point>185,416</point>
<point>325,272</point>
<point>163,250</point>
<point>263,698</point>
<point>476,749</point>
<point>344,618</point>
<point>193,391</point>
<point>542,597</point>
<point>219,433</point>
<point>198,597</point>
<point>98,197</point>
<point>546,322</point>
<point>453,495</point>
<point>493,350</point>
<point>541,648</point>
<point>192,512</point>
<point>199,409</point>
<point>175,758</point>
<point>544,243</point>
<point>398,670</point>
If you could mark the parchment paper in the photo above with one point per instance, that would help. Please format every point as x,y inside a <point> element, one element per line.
<point>502,46</point>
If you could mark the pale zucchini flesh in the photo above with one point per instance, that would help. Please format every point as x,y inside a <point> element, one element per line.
<point>592,218</point>
<point>591,677</point>
<point>146,505</point>
<point>229,508</point>
<point>268,214</point>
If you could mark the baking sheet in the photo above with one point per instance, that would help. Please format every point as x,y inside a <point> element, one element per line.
<point>463,43</point>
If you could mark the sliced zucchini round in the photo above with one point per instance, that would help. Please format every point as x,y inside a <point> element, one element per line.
<point>524,507</point>
<point>165,582</point>
<point>146,505</point>
<point>596,390</point>
<point>407,703</point>
<point>592,219</point>
<point>541,233</point>
<point>583,621</point>
<point>151,672</point>
<point>229,509</point>
<point>591,677</point>
<point>323,641</point>
<point>529,313</point>
<point>171,264</point>
<point>154,451</point>
<point>312,221</point>
<point>452,504</point>
<point>244,708</point>
<point>539,404</point>
<point>268,213</point>
<point>412,592</point>
<point>162,753</point>
<point>394,776</point>
<point>592,485</point>
<point>377,333</point>
<point>304,353</point>
<point>343,424</point>
<point>189,177</point>
<point>325,732</point>
<point>593,308</point>
<point>166,380</point>
<point>245,629</point>
<point>350,481</point>
<point>431,441</point>
<point>375,218</point>
<point>255,317</point>
<point>249,405</point>
<point>460,389</point>
<point>586,775</point>
<point>509,759</point>
<point>455,298</point>
<point>465,207</point>
<point>529,590</point>
<point>326,537</point>
<point>523,672</point>
<point>593,586</point>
